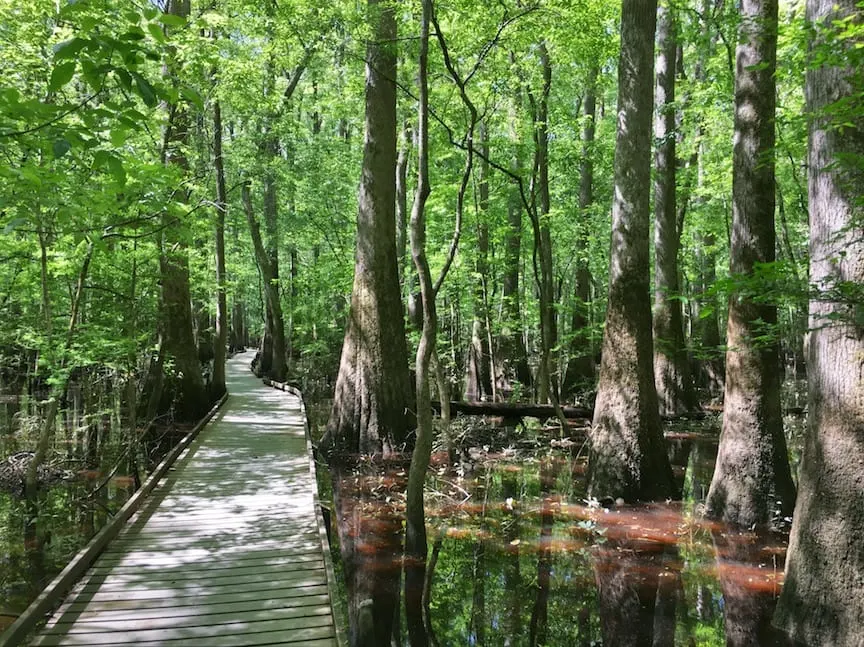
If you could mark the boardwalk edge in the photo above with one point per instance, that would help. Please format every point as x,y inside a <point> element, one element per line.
<point>47,600</point>
<point>332,583</point>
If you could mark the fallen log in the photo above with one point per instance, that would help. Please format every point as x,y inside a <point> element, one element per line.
<point>517,410</point>
<point>512,409</point>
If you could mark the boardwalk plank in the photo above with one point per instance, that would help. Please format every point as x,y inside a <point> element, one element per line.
<point>319,614</point>
<point>86,615</point>
<point>115,604</point>
<point>225,553</point>
<point>241,633</point>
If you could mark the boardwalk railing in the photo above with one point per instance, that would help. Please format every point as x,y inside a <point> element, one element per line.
<point>332,583</point>
<point>52,594</point>
<point>229,550</point>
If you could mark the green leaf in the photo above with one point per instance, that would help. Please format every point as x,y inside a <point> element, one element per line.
<point>145,90</point>
<point>171,20</point>
<point>156,31</point>
<point>115,167</point>
<point>68,48</point>
<point>13,224</point>
<point>192,97</point>
<point>119,136</point>
<point>61,75</point>
<point>61,147</point>
<point>124,78</point>
<point>100,159</point>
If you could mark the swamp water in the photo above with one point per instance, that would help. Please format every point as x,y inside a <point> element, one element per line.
<point>38,539</point>
<point>518,556</point>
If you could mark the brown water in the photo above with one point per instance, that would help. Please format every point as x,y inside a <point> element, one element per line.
<point>520,557</point>
<point>38,539</point>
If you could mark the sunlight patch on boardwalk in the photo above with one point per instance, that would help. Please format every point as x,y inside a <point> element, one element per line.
<point>226,552</point>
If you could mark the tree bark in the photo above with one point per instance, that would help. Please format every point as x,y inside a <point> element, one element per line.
<point>478,379</point>
<point>627,456</point>
<point>511,358</point>
<point>671,369</point>
<point>580,366</point>
<point>822,601</point>
<point>190,398</point>
<point>269,355</point>
<point>416,548</point>
<point>752,483</point>
<point>221,342</point>
<point>372,388</point>
<point>402,200</point>
<point>372,402</point>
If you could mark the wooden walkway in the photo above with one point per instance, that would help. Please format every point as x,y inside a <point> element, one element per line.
<point>227,550</point>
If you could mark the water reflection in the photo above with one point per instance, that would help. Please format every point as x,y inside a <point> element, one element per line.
<point>39,537</point>
<point>750,569</point>
<point>524,559</point>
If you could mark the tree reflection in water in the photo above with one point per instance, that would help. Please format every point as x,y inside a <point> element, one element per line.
<point>523,559</point>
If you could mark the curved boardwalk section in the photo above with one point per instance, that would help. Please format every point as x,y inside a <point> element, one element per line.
<point>226,552</point>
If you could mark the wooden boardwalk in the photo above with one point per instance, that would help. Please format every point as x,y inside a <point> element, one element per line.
<point>227,550</point>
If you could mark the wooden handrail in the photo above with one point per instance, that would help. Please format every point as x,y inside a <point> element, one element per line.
<point>341,637</point>
<point>47,600</point>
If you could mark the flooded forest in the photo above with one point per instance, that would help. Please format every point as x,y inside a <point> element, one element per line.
<point>572,289</point>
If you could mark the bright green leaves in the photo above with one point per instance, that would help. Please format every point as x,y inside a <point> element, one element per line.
<point>172,20</point>
<point>108,161</point>
<point>156,32</point>
<point>68,48</point>
<point>61,75</point>
<point>144,90</point>
<point>60,148</point>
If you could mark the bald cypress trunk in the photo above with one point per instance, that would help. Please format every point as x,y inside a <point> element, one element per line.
<point>822,602</point>
<point>580,366</point>
<point>628,458</point>
<point>478,378</point>
<point>187,383</point>
<point>510,356</point>
<point>671,369</point>
<point>752,482</point>
<point>370,414</point>
<point>221,342</point>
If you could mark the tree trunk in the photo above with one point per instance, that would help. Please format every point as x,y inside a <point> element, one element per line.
<point>478,379</point>
<point>547,375</point>
<point>580,366</point>
<point>511,358</point>
<point>221,341</point>
<point>416,548</point>
<point>402,200</point>
<point>671,369</point>
<point>190,398</point>
<point>627,457</point>
<point>271,351</point>
<point>279,350</point>
<point>752,483</point>
<point>372,402</point>
<point>822,601</point>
